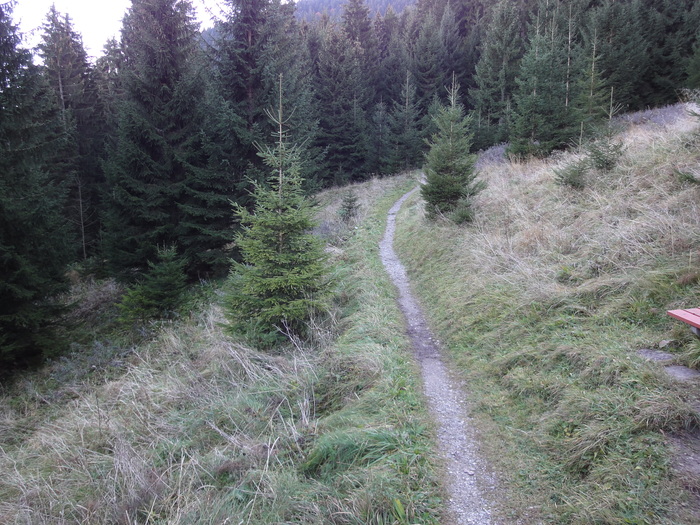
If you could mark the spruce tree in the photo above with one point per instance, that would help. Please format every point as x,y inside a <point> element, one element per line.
<point>282,279</point>
<point>359,29</point>
<point>380,146</point>
<point>392,58</point>
<point>451,180</point>
<point>159,294</point>
<point>593,93</point>
<point>623,48</point>
<point>543,118</point>
<point>349,207</point>
<point>693,68</point>
<point>427,54</point>
<point>239,47</point>
<point>425,7</point>
<point>109,87</point>
<point>65,62</point>
<point>342,97</point>
<point>286,54</point>
<point>34,241</point>
<point>356,23</point>
<point>404,132</point>
<point>451,41</point>
<point>671,26</point>
<point>73,81</point>
<point>471,18</point>
<point>258,40</point>
<point>495,74</point>
<point>164,188</point>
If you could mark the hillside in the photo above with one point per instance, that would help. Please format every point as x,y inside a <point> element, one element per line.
<point>543,304</point>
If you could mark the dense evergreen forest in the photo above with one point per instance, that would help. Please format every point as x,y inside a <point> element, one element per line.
<point>313,9</point>
<point>104,164</point>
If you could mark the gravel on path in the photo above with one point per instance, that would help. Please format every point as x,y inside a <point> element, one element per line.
<point>466,475</point>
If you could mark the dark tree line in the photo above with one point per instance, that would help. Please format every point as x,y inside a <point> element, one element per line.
<point>145,149</point>
<point>34,238</point>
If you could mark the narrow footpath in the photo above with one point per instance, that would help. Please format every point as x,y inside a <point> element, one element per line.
<point>465,474</point>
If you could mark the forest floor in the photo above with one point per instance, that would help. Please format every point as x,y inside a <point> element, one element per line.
<point>467,478</point>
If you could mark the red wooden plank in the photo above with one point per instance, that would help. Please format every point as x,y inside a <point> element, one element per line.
<point>691,316</point>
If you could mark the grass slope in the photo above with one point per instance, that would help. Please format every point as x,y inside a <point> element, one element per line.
<point>186,426</point>
<point>544,301</point>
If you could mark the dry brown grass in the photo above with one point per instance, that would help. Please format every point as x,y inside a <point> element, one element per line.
<point>94,462</point>
<point>529,228</point>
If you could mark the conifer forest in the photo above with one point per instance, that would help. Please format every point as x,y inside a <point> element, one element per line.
<point>153,155</point>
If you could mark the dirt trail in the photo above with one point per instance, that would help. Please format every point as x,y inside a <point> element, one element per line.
<point>465,474</point>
